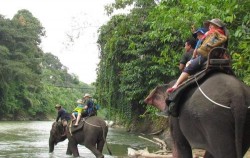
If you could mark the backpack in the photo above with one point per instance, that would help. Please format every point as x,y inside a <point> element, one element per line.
<point>212,40</point>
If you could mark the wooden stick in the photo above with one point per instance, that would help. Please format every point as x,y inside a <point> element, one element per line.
<point>163,144</point>
<point>150,140</point>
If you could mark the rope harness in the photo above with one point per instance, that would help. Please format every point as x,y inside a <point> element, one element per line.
<point>210,98</point>
<point>92,124</point>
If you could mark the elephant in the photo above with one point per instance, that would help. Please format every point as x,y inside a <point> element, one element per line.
<point>92,136</point>
<point>214,115</point>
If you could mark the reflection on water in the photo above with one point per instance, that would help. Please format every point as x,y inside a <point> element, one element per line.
<point>29,139</point>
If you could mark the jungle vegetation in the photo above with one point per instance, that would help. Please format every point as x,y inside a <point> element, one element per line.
<point>32,82</point>
<point>138,51</point>
<point>141,49</point>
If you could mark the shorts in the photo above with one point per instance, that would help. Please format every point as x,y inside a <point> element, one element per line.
<point>78,109</point>
<point>195,65</point>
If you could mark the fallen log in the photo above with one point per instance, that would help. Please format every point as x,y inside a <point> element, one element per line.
<point>157,143</point>
<point>145,154</point>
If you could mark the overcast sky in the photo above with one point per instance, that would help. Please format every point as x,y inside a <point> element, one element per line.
<point>62,20</point>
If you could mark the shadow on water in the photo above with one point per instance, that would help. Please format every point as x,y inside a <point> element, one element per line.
<point>29,139</point>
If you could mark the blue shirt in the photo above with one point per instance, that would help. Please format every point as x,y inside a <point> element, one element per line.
<point>63,115</point>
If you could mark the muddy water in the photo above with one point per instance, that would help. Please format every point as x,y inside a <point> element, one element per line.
<point>29,139</point>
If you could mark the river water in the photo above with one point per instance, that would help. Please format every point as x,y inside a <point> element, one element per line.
<point>29,139</point>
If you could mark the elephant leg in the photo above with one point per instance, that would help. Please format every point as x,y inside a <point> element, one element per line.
<point>100,145</point>
<point>94,150</point>
<point>222,145</point>
<point>246,140</point>
<point>181,147</point>
<point>73,148</point>
<point>207,155</point>
<point>68,152</point>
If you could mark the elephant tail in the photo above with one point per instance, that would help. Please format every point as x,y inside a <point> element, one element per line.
<point>105,131</point>
<point>240,114</point>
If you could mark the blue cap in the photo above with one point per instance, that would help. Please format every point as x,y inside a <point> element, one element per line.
<point>201,30</point>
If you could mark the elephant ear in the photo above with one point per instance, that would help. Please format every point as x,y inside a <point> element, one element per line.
<point>60,127</point>
<point>158,96</point>
<point>57,128</point>
<point>53,128</point>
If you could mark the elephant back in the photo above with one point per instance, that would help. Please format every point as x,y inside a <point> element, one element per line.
<point>96,121</point>
<point>219,95</point>
<point>96,124</point>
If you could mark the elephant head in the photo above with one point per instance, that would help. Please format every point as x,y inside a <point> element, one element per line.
<point>56,135</point>
<point>158,97</point>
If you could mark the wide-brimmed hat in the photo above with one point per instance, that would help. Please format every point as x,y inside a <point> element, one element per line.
<point>79,101</point>
<point>201,30</point>
<point>86,95</point>
<point>58,106</point>
<point>216,22</point>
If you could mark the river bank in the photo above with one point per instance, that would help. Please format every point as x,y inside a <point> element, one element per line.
<point>145,127</point>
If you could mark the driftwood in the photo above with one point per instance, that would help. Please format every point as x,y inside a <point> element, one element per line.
<point>145,154</point>
<point>163,153</point>
<point>154,133</point>
<point>163,144</point>
<point>157,143</point>
<point>157,132</point>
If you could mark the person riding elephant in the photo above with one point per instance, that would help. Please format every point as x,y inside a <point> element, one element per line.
<point>187,55</point>
<point>199,33</point>
<point>214,37</point>
<point>77,112</point>
<point>92,135</point>
<point>89,106</point>
<point>63,115</point>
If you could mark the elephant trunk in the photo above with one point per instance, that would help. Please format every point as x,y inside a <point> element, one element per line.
<point>51,145</point>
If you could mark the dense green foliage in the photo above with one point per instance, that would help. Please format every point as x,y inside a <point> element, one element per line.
<point>31,81</point>
<point>60,87</point>
<point>142,49</point>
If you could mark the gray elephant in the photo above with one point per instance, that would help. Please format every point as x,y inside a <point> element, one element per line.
<point>214,115</point>
<point>92,136</point>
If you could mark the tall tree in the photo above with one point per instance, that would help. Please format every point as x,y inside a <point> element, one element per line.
<point>142,49</point>
<point>32,81</point>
